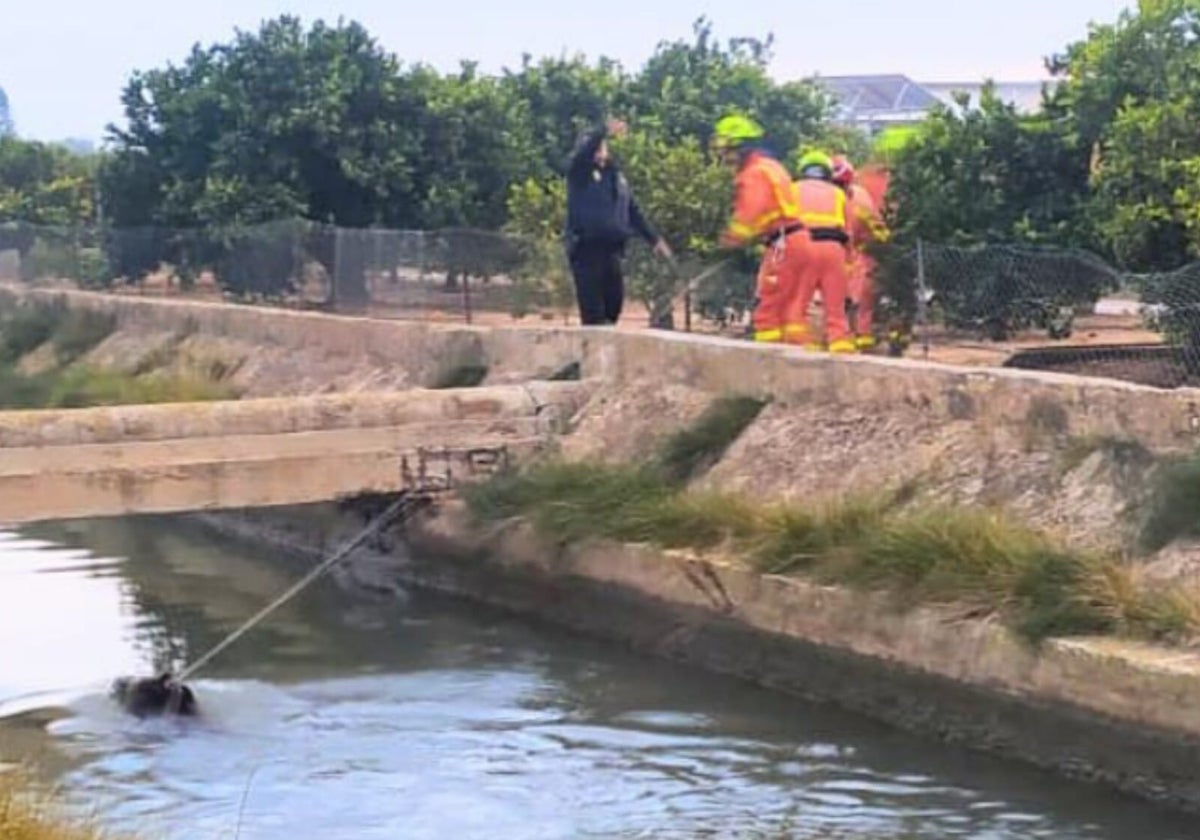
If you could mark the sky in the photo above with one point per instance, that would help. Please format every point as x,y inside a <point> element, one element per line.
<point>63,64</point>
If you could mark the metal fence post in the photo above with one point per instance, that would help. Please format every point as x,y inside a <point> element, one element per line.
<point>466,292</point>
<point>922,298</point>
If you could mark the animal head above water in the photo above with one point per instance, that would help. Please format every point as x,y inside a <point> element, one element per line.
<point>154,696</point>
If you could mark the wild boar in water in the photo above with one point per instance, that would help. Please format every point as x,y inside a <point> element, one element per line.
<point>154,696</point>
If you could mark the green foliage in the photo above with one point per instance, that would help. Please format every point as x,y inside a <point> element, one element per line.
<point>72,332</point>
<point>982,176</point>
<point>565,97</point>
<point>687,197</point>
<point>1130,93</point>
<point>693,450</point>
<point>79,331</point>
<point>44,184</point>
<point>986,174</point>
<point>321,124</point>
<point>688,84</point>
<point>25,328</point>
<point>953,557</point>
<point>462,376</point>
<point>1174,510</point>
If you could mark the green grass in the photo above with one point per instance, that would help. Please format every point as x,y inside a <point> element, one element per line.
<point>83,387</point>
<point>1174,505</point>
<point>1076,450</point>
<point>976,559</point>
<point>79,331</point>
<point>695,449</point>
<point>26,328</point>
<point>462,376</point>
<point>70,384</point>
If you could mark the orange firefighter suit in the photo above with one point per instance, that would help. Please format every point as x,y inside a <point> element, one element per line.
<point>803,226</point>
<point>865,227</point>
<point>823,255</point>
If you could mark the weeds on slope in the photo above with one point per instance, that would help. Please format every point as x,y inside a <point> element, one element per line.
<point>71,334</point>
<point>970,557</point>
<point>26,815</point>
<point>695,449</point>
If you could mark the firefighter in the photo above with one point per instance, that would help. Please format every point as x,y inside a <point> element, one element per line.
<point>823,252</point>
<point>767,211</point>
<point>865,227</point>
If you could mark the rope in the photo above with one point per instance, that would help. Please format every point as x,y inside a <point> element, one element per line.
<point>692,284</point>
<point>370,530</point>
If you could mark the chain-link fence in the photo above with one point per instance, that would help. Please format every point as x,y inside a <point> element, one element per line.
<point>464,275</point>
<point>1041,308</point>
<point>1020,306</point>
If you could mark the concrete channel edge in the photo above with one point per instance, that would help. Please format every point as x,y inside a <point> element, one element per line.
<point>1117,713</point>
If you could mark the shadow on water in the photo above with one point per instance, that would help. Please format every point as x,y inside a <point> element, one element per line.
<point>428,718</point>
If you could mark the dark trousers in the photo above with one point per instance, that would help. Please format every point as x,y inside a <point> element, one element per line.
<point>599,285</point>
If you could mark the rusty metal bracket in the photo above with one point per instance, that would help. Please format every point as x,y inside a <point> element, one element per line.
<point>437,471</point>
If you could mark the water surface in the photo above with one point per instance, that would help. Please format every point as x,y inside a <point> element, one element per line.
<point>427,718</point>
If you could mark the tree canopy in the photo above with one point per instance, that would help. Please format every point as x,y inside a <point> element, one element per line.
<point>320,125</point>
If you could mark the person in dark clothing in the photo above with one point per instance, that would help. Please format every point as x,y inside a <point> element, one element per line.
<point>602,216</point>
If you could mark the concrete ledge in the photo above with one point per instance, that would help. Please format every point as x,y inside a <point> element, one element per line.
<point>73,482</point>
<point>994,400</point>
<point>285,415</point>
<point>1124,714</point>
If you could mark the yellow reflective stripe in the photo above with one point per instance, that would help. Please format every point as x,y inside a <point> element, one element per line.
<point>843,346</point>
<point>795,329</point>
<point>741,230</point>
<point>767,219</point>
<point>875,225</point>
<point>768,335</point>
<point>836,219</point>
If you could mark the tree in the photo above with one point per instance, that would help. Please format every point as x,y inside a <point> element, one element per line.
<point>1129,98</point>
<point>687,85</point>
<point>986,175</point>
<point>281,123</point>
<point>42,184</point>
<point>687,197</point>
<point>565,97</point>
<point>7,128</point>
<point>477,142</point>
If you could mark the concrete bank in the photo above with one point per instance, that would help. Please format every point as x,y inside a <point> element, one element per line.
<point>998,403</point>
<point>1122,714</point>
<point>288,415</point>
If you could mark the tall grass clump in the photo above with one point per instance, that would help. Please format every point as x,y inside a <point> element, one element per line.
<point>25,328</point>
<point>78,331</point>
<point>696,448</point>
<point>461,376</point>
<point>27,815</point>
<point>976,559</point>
<point>83,387</point>
<point>575,501</point>
<point>1174,511</point>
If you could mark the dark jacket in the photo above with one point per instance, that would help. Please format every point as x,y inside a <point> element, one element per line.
<point>601,209</point>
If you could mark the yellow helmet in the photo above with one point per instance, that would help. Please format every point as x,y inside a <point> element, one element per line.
<point>816,164</point>
<point>734,130</point>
